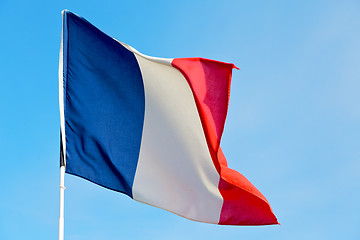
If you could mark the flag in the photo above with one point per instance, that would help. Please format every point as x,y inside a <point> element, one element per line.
<point>151,128</point>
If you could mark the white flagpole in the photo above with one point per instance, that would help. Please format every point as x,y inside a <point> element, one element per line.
<point>63,142</point>
<point>63,148</point>
<point>61,216</point>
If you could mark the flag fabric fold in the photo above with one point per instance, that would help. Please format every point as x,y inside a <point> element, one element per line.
<point>151,128</point>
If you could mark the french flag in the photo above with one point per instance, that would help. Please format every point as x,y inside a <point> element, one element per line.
<point>151,128</point>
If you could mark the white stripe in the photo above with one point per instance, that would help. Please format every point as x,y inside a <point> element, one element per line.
<point>175,171</point>
<point>61,91</point>
<point>166,61</point>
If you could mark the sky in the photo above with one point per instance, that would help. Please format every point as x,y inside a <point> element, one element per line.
<point>293,126</point>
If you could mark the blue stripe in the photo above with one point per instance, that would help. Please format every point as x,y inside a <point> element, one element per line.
<point>104,106</point>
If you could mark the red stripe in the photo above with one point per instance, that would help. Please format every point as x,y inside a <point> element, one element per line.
<point>210,81</point>
<point>243,203</point>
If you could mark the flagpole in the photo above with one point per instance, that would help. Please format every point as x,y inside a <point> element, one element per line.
<point>62,124</point>
<point>61,216</point>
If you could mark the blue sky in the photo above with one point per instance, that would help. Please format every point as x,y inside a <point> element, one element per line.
<point>293,125</point>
